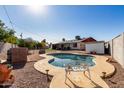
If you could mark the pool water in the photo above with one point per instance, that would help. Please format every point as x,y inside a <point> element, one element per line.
<point>62,60</point>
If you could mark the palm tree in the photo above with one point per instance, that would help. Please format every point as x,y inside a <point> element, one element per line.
<point>63,39</point>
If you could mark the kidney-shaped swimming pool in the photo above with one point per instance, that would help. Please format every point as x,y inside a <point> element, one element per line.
<point>64,59</point>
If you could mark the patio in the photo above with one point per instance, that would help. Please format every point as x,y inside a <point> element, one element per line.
<point>77,79</point>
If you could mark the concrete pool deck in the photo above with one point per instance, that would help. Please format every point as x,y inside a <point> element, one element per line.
<point>76,79</point>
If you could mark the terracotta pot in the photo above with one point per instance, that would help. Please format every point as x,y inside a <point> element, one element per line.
<point>4,72</point>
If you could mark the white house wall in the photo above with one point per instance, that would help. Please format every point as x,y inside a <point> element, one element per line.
<point>82,46</point>
<point>97,47</point>
<point>78,46</point>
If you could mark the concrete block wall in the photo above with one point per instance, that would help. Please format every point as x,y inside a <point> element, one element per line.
<point>4,47</point>
<point>117,48</point>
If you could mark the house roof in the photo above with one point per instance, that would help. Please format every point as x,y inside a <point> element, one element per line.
<point>89,39</point>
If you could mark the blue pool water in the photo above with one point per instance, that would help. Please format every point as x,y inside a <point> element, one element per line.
<point>62,60</point>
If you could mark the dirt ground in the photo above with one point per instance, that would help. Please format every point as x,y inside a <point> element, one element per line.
<point>117,80</point>
<point>28,77</point>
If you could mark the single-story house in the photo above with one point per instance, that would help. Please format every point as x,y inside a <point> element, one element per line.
<point>73,44</point>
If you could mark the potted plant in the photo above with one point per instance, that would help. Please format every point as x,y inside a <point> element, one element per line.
<point>4,72</point>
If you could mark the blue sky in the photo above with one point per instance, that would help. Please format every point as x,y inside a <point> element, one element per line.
<point>57,22</point>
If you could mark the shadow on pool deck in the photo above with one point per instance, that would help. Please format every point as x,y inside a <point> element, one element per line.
<point>75,86</point>
<point>97,85</point>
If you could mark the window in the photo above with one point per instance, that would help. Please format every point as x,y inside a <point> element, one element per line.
<point>75,45</point>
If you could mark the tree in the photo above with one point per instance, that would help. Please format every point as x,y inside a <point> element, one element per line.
<point>44,40</point>
<point>77,37</point>
<point>12,39</point>
<point>1,24</point>
<point>2,31</point>
<point>21,43</point>
<point>28,39</point>
<point>63,39</point>
<point>7,34</point>
<point>11,32</point>
<point>2,34</point>
<point>43,44</point>
<point>29,43</point>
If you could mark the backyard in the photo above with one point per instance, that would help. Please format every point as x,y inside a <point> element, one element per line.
<point>61,46</point>
<point>29,77</point>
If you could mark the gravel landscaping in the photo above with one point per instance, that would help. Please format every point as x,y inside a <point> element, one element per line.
<point>117,80</point>
<point>34,58</point>
<point>28,77</point>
